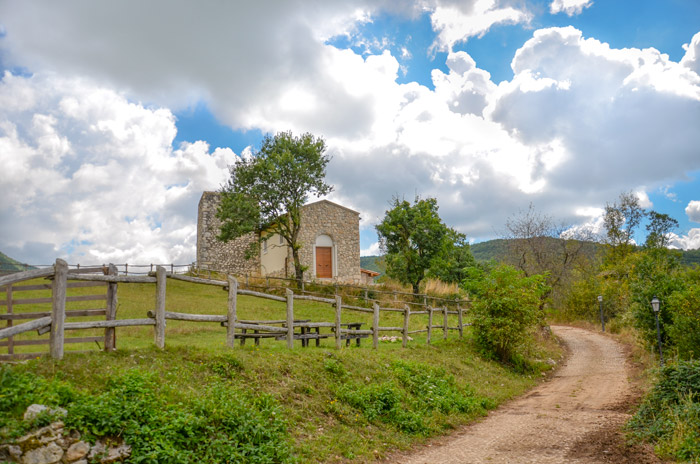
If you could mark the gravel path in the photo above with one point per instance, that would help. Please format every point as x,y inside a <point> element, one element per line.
<point>575,417</point>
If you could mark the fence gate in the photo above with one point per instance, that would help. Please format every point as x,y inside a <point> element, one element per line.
<point>24,301</point>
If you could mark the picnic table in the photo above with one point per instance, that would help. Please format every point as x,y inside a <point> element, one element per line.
<point>306,331</point>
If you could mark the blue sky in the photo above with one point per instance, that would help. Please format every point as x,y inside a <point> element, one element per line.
<point>109,138</point>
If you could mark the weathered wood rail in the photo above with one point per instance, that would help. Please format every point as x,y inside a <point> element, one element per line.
<point>289,329</point>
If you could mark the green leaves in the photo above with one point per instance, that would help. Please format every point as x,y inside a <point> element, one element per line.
<point>415,240</point>
<point>505,310</point>
<point>267,190</point>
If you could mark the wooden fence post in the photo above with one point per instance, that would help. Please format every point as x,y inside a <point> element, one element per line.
<point>430,323</point>
<point>111,313</point>
<point>375,325</point>
<point>161,280</point>
<point>58,309</point>
<point>290,319</point>
<point>232,296</point>
<point>338,307</point>
<point>459,319</point>
<point>444,322</point>
<point>10,340</point>
<point>406,315</point>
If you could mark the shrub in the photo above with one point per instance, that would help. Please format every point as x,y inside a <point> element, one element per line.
<point>410,396</point>
<point>670,414</point>
<point>685,310</point>
<point>219,425</point>
<point>507,307</point>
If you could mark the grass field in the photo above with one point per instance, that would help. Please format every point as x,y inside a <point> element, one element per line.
<point>355,404</point>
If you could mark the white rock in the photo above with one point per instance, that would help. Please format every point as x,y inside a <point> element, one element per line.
<point>49,454</point>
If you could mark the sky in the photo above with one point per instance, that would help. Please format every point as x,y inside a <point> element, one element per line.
<point>116,116</point>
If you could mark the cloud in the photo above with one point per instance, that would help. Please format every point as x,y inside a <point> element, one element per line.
<point>579,122</point>
<point>685,242</point>
<point>92,177</point>
<point>691,59</point>
<point>456,23</point>
<point>372,250</point>
<point>570,7</point>
<point>607,108</point>
<point>693,211</point>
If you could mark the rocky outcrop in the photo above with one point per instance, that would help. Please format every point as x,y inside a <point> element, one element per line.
<point>55,445</point>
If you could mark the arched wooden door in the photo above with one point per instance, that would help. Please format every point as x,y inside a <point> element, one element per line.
<point>324,257</point>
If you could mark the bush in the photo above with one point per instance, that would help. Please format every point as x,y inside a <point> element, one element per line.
<point>410,396</point>
<point>684,305</point>
<point>507,307</point>
<point>670,414</point>
<point>220,425</point>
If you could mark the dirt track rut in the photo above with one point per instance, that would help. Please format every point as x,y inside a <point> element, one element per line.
<point>573,418</point>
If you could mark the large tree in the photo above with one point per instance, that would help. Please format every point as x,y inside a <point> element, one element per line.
<point>413,237</point>
<point>265,192</point>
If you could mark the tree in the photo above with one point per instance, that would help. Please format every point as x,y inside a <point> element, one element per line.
<point>538,246</point>
<point>265,192</point>
<point>412,236</point>
<point>620,221</point>
<point>658,230</point>
<point>454,264</point>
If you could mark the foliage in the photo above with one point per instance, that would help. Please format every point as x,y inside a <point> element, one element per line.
<point>538,246</point>
<point>506,310</point>
<point>218,425</point>
<point>410,396</point>
<point>415,240</point>
<point>621,218</point>
<point>658,230</point>
<point>684,306</point>
<point>670,414</point>
<point>451,266</point>
<point>265,192</point>
<point>654,273</point>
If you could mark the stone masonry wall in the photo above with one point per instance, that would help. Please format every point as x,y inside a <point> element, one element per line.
<point>216,255</point>
<point>343,226</point>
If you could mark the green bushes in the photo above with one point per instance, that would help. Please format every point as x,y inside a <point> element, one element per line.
<point>409,397</point>
<point>506,309</point>
<point>670,415</point>
<point>218,425</point>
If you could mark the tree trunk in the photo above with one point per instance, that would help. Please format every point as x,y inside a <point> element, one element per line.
<point>298,270</point>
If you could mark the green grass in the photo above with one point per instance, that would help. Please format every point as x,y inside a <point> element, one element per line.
<point>314,404</point>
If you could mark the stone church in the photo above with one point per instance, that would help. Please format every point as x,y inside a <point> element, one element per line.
<point>329,237</point>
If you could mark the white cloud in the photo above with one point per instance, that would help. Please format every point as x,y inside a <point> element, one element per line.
<point>691,59</point>
<point>693,211</point>
<point>685,242</point>
<point>456,23</point>
<point>570,7</point>
<point>372,250</point>
<point>608,108</point>
<point>92,177</point>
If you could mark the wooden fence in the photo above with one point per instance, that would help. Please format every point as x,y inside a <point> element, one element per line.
<point>55,323</point>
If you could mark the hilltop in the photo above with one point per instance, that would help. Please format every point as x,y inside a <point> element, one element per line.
<point>8,264</point>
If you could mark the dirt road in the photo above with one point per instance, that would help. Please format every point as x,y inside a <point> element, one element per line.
<point>572,418</point>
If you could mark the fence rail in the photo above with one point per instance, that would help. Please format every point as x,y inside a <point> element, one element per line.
<point>289,328</point>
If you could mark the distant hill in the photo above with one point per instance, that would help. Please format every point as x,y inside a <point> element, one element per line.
<point>8,264</point>
<point>498,250</point>
<point>373,263</point>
